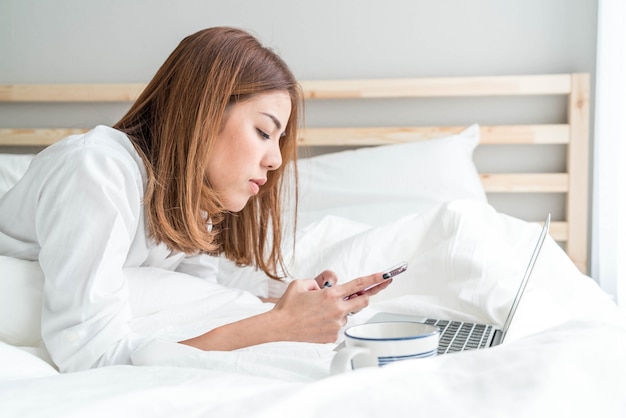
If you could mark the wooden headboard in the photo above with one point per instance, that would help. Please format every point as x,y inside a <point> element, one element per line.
<point>572,231</point>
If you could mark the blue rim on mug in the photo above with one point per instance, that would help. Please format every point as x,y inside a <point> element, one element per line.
<point>391,359</point>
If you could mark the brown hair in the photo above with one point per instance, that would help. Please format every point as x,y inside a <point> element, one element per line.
<point>173,125</point>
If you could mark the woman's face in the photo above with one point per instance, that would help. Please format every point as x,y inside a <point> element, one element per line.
<point>248,147</point>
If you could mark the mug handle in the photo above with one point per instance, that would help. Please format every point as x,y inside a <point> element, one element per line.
<point>342,362</point>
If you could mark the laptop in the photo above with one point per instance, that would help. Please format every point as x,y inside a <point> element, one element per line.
<point>461,335</point>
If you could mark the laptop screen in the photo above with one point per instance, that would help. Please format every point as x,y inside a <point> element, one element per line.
<point>529,269</point>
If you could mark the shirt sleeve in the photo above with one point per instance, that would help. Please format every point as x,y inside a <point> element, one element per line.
<point>87,213</point>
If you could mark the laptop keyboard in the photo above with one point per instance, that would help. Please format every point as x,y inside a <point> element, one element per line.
<point>460,336</point>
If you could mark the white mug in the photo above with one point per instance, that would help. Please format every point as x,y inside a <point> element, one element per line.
<point>378,343</point>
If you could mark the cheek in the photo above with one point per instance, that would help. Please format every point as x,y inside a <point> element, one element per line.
<point>214,170</point>
<point>218,161</point>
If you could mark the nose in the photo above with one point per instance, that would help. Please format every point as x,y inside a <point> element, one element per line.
<point>273,158</point>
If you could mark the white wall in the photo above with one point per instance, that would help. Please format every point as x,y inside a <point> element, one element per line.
<point>125,40</point>
<point>608,257</point>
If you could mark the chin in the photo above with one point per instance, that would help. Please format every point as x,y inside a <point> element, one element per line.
<point>236,206</point>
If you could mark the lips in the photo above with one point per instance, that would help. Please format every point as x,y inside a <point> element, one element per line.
<point>255,185</point>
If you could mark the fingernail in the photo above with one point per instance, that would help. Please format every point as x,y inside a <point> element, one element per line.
<point>386,275</point>
<point>327,284</point>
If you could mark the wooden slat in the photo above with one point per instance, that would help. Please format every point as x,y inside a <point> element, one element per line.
<point>35,137</point>
<point>559,231</point>
<point>578,166</point>
<point>518,134</point>
<point>525,183</point>
<point>525,134</point>
<point>70,92</point>
<point>318,89</point>
<point>438,87</point>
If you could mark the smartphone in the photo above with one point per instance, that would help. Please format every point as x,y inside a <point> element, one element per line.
<point>395,270</point>
<point>388,274</point>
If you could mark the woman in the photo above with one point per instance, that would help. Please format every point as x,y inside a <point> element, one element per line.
<point>192,171</point>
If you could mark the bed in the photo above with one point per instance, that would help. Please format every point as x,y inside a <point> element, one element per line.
<point>390,192</point>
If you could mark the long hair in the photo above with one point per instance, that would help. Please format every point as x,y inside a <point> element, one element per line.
<point>173,125</point>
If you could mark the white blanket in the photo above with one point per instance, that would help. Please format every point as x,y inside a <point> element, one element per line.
<point>564,355</point>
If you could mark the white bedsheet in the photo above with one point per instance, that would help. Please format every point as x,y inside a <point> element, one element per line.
<point>564,355</point>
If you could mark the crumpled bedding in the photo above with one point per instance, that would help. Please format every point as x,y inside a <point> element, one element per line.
<point>563,355</point>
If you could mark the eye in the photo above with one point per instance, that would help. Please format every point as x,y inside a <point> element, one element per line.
<point>263,134</point>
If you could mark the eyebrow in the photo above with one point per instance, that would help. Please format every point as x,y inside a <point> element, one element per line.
<point>275,120</point>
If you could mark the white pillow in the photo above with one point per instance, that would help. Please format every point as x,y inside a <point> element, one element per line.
<point>379,184</point>
<point>21,290</point>
<point>16,363</point>
<point>12,168</point>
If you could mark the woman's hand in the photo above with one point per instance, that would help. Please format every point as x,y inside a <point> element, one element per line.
<point>314,313</point>
<point>307,312</point>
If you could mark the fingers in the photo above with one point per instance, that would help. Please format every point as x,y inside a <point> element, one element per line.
<point>362,285</point>
<point>347,298</point>
<point>310,284</point>
<point>302,285</point>
<point>378,288</point>
<point>327,278</point>
<point>321,314</point>
<point>355,302</point>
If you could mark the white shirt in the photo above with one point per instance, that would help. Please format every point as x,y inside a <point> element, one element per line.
<point>78,211</point>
